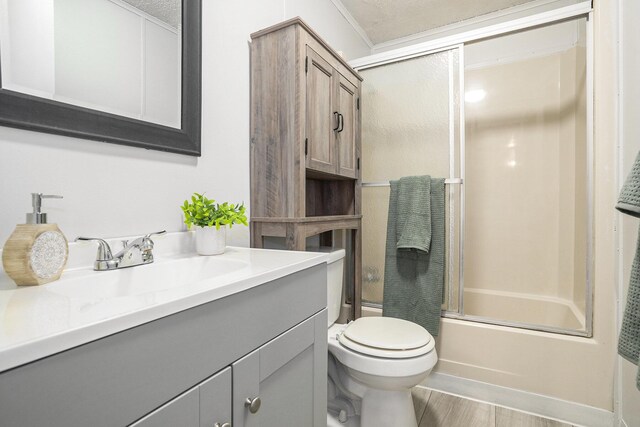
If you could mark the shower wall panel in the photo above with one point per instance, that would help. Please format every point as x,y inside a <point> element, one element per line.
<point>526,178</point>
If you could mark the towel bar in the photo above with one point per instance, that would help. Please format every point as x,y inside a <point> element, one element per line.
<point>386,183</point>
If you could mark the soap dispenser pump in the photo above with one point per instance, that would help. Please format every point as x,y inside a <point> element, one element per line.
<point>36,252</point>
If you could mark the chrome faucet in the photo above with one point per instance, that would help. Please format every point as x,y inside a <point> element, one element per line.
<point>138,252</point>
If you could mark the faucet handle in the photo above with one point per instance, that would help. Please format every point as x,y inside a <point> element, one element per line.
<point>147,243</point>
<point>157,233</point>
<point>104,251</point>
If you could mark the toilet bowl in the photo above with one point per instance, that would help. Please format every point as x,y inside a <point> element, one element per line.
<point>373,364</point>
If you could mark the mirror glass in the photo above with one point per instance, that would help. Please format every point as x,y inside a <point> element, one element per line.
<point>116,56</point>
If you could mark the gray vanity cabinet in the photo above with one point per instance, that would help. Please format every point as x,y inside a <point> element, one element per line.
<point>181,411</point>
<point>193,368</point>
<point>281,383</point>
<point>289,377</point>
<point>206,405</point>
<point>215,400</point>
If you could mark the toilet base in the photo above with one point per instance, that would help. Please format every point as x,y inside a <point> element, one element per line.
<point>332,421</point>
<point>397,410</point>
<point>383,408</point>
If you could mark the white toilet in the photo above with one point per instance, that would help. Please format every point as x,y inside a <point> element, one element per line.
<point>373,363</point>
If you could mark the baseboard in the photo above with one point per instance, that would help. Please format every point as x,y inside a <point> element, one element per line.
<point>537,404</point>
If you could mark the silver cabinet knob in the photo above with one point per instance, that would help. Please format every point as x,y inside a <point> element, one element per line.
<point>222,425</point>
<point>253,404</point>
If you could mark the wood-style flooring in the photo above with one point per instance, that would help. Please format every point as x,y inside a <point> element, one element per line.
<point>435,409</point>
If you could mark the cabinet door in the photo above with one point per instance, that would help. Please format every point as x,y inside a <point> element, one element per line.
<point>289,377</point>
<point>215,400</point>
<point>347,106</point>
<point>181,411</point>
<point>320,118</point>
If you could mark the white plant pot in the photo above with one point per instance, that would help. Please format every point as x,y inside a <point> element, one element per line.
<point>210,241</point>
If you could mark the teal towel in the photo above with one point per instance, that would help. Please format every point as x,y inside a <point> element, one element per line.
<point>414,278</point>
<point>629,200</point>
<point>629,341</point>
<point>413,228</point>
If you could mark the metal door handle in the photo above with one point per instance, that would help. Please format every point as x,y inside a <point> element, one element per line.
<point>253,404</point>
<point>222,425</point>
<point>341,120</point>
<point>336,116</point>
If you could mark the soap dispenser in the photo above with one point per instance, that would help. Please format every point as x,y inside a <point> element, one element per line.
<point>36,252</point>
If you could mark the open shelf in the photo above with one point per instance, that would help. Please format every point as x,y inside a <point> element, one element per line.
<point>329,197</point>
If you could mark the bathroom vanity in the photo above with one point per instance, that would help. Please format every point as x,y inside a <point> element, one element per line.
<point>245,347</point>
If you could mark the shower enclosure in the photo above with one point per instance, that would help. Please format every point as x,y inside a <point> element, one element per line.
<point>507,120</point>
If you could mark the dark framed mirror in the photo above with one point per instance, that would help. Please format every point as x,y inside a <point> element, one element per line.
<point>159,116</point>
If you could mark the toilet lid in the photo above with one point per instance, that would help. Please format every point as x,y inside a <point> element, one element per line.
<point>386,337</point>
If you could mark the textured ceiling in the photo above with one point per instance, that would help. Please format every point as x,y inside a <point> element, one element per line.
<point>168,11</point>
<point>385,20</point>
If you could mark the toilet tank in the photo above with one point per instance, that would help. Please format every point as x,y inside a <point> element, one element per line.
<point>335,277</point>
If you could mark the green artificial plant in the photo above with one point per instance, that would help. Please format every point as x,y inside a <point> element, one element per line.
<point>204,212</point>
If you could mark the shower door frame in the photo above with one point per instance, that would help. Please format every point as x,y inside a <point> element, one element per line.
<point>451,43</point>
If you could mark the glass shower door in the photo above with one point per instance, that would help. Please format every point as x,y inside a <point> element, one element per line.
<point>410,126</point>
<point>527,186</point>
<point>519,218</point>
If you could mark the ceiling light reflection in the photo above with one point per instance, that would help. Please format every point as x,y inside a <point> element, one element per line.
<point>475,95</point>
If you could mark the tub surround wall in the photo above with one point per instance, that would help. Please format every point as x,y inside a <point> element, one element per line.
<point>526,176</point>
<point>628,395</point>
<point>114,190</point>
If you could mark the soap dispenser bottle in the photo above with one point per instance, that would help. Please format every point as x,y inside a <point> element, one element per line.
<point>36,252</point>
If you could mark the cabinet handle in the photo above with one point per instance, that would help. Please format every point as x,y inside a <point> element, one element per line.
<point>341,122</point>
<point>222,425</point>
<point>336,116</point>
<point>253,404</point>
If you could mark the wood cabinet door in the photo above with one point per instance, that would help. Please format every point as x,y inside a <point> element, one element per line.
<point>320,117</point>
<point>347,106</point>
<point>289,377</point>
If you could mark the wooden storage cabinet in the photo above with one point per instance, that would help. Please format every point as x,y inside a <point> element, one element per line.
<point>321,123</point>
<point>347,135</point>
<point>305,141</point>
<point>194,368</point>
<point>331,118</point>
<point>305,119</point>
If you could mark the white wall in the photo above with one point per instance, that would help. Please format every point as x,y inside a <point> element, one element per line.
<point>629,396</point>
<point>114,191</point>
<point>27,56</point>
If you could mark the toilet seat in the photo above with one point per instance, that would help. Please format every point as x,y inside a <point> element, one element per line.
<point>394,369</point>
<point>386,337</point>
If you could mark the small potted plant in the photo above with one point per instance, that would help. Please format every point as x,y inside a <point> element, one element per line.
<point>211,220</point>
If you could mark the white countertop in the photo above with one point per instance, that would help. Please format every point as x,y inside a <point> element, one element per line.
<point>85,305</point>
